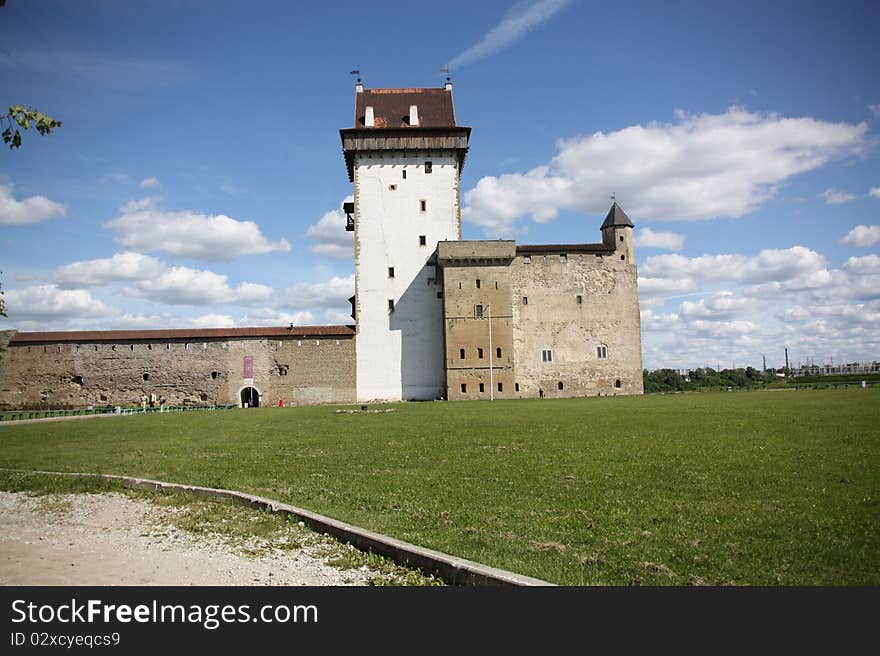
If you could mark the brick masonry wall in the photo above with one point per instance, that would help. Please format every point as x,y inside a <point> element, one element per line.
<point>299,371</point>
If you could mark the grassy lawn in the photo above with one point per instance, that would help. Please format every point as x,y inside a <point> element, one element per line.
<point>755,488</point>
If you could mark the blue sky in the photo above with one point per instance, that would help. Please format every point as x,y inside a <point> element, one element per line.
<point>197,177</point>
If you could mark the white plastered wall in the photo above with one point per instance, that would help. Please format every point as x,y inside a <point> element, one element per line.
<point>400,353</point>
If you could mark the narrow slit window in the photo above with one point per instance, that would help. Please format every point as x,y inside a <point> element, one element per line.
<point>500,387</point>
<point>560,385</point>
<point>478,283</point>
<point>439,294</point>
<point>621,237</point>
<point>461,353</point>
<point>525,300</point>
<point>404,174</point>
<point>479,353</point>
<point>482,388</point>
<point>429,167</point>
<point>464,388</point>
<point>392,187</point>
<point>390,272</point>
<point>478,311</point>
<point>423,206</point>
<point>516,387</point>
<point>622,258</point>
<point>423,241</point>
<point>580,299</point>
<point>498,352</point>
<point>391,305</point>
<point>617,383</point>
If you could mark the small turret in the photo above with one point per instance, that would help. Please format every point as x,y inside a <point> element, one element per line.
<point>617,231</point>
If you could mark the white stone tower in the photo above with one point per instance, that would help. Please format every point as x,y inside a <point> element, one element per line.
<point>404,156</point>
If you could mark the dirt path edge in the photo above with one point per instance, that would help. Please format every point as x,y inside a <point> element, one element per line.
<point>453,570</point>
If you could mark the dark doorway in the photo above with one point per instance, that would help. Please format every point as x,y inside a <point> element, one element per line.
<point>250,398</point>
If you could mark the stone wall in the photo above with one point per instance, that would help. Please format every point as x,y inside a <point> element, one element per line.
<point>299,371</point>
<point>571,304</point>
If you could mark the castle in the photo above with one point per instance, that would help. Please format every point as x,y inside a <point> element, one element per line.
<point>435,316</point>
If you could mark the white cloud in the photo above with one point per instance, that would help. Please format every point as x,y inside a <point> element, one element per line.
<point>521,18</point>
<point>875,192</point>
<point>875,110</point>
<point>185,286</point>
<point>862,265</point>
<point>149,183</point>
<point>671,241</point>
<point>837,197</point>
<point>724,305</point>
<point>143,227</point>
<point>768,265</point>
<point>125,266</point>
<point>30,210</point>
<point>701,167</point>
<point>327,294</point>
<point>330,235</point>
<point>862,236</point>
<point>48,302</point>
<point>652,287</point>
<point>268,316</point>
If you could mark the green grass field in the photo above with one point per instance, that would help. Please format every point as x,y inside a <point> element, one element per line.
<point>759,488</point>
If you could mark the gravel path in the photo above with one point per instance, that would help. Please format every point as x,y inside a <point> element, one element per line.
<point>113,539</point>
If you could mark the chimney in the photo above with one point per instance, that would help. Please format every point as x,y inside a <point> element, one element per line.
<point>448,86</point>
<point>413,114</point>
<point>369,120</point>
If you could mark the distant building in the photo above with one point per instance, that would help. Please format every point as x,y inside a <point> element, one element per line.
<point>436,316</point>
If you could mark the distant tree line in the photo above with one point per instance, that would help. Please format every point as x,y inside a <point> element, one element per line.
<point>670,380</point>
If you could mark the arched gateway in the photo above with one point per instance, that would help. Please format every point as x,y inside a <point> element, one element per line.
<point>250,397</point>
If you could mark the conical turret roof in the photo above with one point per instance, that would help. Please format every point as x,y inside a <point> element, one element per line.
<point>617,218</point>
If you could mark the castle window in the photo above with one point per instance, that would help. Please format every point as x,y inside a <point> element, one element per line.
<point>429,166</point>
<point>482,388</point>
<point>112,348</point>
<point>496,284</point>
<point>205,345</point>
<point>459,285</point>
<point>525,300</point>
<point>282,369</point>
<point>423,206</point>
<point>390,272</point>
<point>317,342</point>
<point>461,353</point>
<point>617,383</point>
<point>186,346</point>
<point>392,187</point>
<point>215,375</point>
<point>622,258</point>
<point>463,388</point>
<point>423,241</point>
<point>478,311</point>
<point>547,355</point>
<point>563,258</point>
<point>391,305</point>
<point>498,352</point>
<point>130,347</point>
<point>149,347</point>
<point>545,259</point>
<point>500,387</point>
<point>480,353</point>
<point>621,237</point>
<point>167,347</point>
<point>602,352</point>
<point>78,380</point>
<point>439,294</point>
<point>478,283</point>
<point>299,342</point>
<point>581,257</point>
<point>146,377</point>
<point>404,174</point>
<point>516,387</point>
<point>337,342</point>
<point>559,385</point>
<point>527,259</point>
<point>580,299</point>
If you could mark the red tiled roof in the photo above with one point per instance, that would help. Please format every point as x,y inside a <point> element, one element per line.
<point>183,333</point>
<point>391,107</point>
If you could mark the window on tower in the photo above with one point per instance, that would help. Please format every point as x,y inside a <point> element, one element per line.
<point>391,305</point>
<point>423,206</point>
<point>428,167</point>
<point>423,241</point>
<point>404,174</point>
<point>478,311</point>
<point>390,272</point>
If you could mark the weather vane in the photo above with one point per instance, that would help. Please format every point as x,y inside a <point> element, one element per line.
<point>357,72</point>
